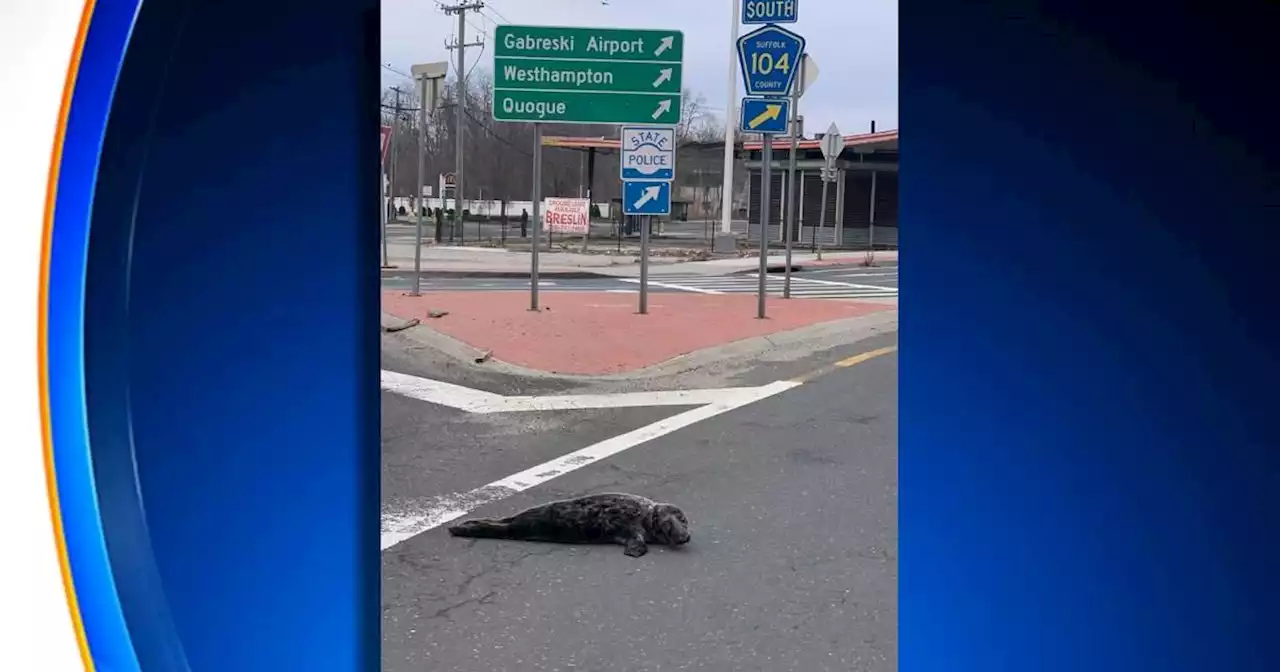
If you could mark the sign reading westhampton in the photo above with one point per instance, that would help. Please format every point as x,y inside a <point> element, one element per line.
<point>587,75</point>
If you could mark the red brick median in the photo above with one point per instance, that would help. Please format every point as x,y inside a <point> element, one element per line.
<point>593,333</point>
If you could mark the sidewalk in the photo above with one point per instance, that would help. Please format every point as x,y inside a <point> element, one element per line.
<point>597,333</point>
<point>498,262</point>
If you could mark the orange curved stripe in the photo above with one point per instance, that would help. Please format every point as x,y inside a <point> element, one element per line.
<point>42,333</point>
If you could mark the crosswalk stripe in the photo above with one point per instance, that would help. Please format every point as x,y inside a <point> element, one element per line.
<point>803,287</point>
<point>829,282</point>
<point>668,285</point>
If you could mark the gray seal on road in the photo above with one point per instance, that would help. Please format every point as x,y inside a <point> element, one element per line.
<point>611,518</point>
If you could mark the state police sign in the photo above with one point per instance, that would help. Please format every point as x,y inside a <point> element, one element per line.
<point>648,153</point>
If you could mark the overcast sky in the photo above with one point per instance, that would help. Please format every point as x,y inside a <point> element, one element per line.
<point>855,43</point>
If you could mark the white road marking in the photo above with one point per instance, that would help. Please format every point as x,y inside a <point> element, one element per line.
<point>804,287</point>
<point>478,401</point>
<point>622,291</point>
<point>667,285</point>
<point>837,284</point>
<point>402,525</point>
<point>437,392</point>
<point>621,400</point>
<point>546,283</point>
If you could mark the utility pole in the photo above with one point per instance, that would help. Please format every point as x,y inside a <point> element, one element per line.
<point>395,144</point>
<point>460,45</point>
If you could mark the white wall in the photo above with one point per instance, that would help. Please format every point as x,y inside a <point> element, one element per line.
<point>490,208</point>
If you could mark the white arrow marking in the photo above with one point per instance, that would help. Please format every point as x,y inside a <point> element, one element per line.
<point>650,193</point>
<point>663,75</point>
<point>668,42</point>
<point>663,108</point>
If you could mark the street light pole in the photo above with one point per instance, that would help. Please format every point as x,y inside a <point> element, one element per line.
<point>428,76</point>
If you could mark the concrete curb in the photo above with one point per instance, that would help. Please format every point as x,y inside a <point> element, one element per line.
<point>824,335</point>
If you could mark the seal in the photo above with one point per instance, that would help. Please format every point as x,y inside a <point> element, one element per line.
<point>611,518</point>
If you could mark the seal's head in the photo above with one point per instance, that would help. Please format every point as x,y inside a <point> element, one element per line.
<point>668,525</point>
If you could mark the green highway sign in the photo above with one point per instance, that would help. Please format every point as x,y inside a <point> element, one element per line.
<point>587,75</point>
<point>580,107</point>
<point>592,44</point>
<point>621,77</point>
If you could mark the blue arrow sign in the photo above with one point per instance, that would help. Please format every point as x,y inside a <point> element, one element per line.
<point>769,11</point>
<point>765,115</point>
<point>648,197</point>
<point>770,58</point>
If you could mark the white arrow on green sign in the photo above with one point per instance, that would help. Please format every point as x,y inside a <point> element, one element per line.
<point>587,75</point>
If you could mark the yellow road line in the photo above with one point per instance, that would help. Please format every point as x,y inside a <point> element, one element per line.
<point>871,354</point>
<point>845,363</point>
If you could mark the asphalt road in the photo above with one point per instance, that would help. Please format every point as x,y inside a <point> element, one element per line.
<point>793,563</point>
<point>835,282</point>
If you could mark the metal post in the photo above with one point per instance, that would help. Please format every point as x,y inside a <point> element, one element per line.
<point>766,178</point>
<point>461,118</point>
<point>537,218</point>
<point>591,184</point>
<point>730,127</point>
<point>813,234</point>
<point>423,99</point>
<point>822,216</point>
<point>645,224</point>
<point>382,204</point>
<point>837,226</point>
<point>793,206</point>
<point>871,224</point>
<point>391,166</point>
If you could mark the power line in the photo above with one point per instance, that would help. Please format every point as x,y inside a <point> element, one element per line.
<point>495,20</point>
<point>495,11</point>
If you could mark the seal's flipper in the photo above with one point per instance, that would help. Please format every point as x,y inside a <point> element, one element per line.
<point>635,547</point>
<point>484,529</point>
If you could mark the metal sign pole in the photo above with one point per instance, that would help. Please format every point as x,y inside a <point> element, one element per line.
<point>822,213</point>
<point>793,207</point>
<point>832,146</point>
<point>423,83</point>
<point>647,223</point>
<point>871,224</point>
<point>382,204</point>
<point>766,178</point>
<point>537,219</point>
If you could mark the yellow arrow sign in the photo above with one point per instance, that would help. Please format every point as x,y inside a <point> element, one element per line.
<point>770,113</point>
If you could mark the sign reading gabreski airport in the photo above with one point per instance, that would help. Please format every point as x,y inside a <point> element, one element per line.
<point>558,74</point>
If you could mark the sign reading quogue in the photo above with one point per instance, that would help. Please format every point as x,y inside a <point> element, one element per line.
<point>567,215</point>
